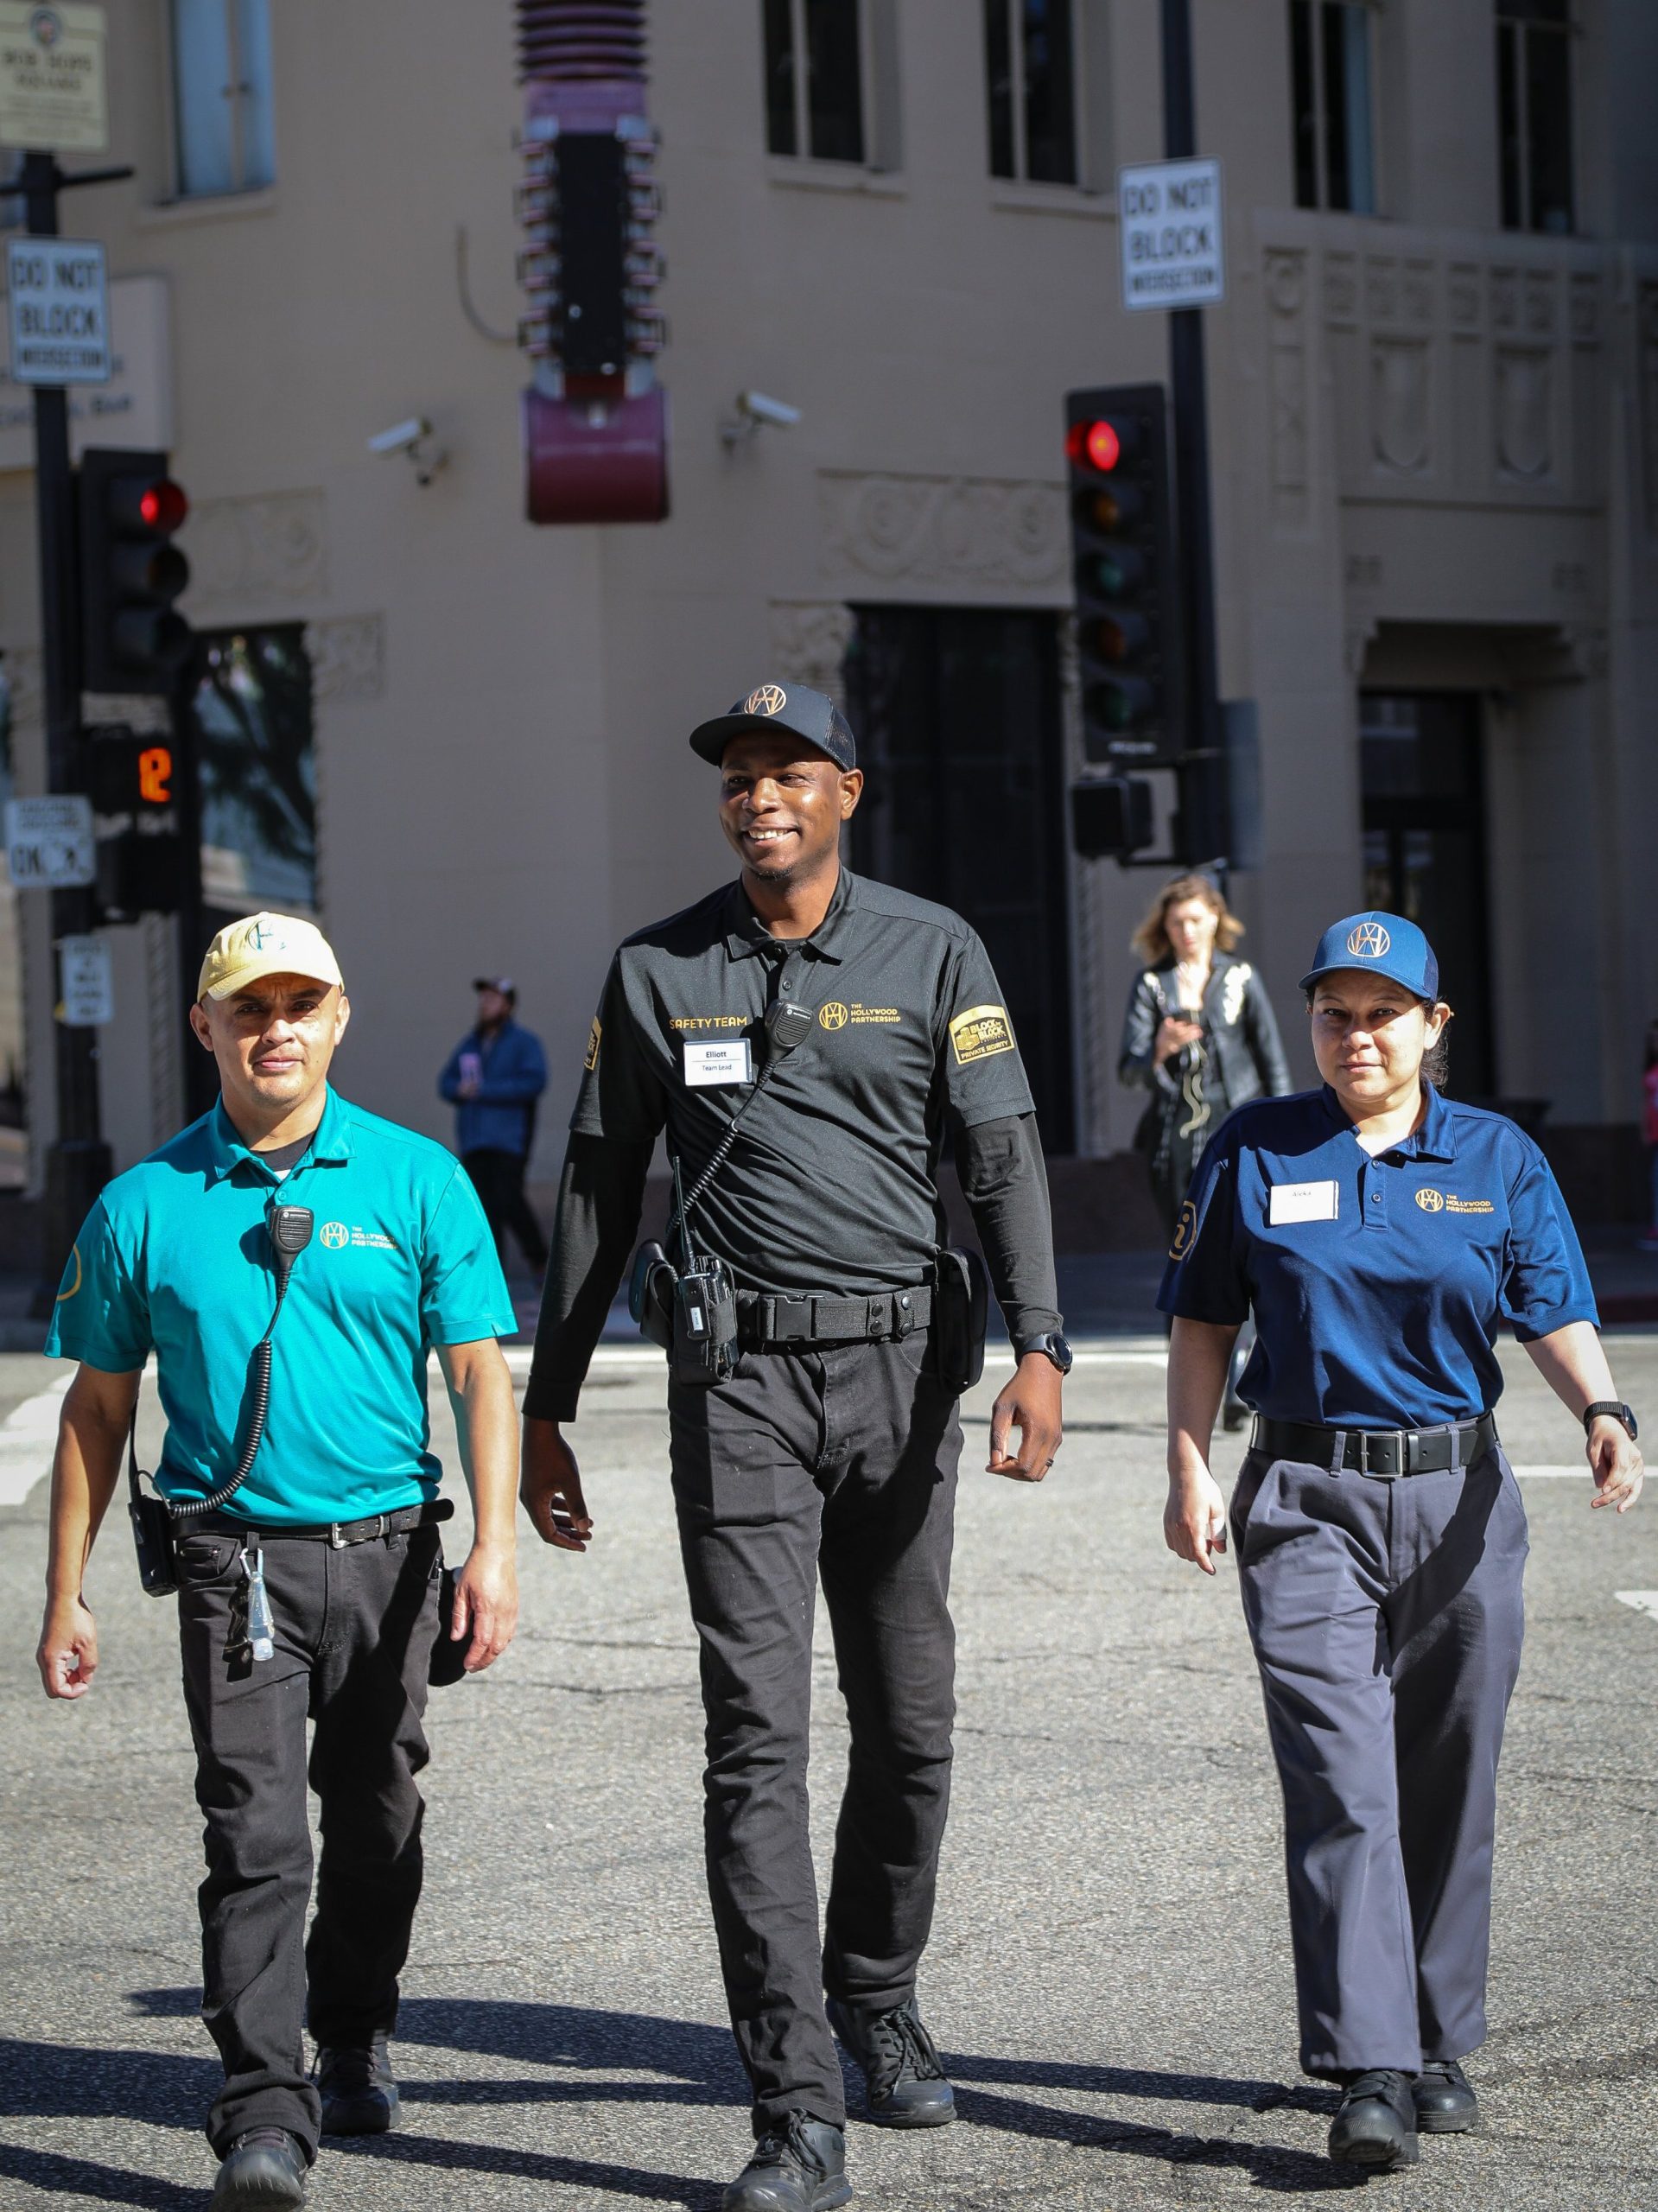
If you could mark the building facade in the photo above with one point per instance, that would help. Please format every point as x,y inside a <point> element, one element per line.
<point>1434,403</point>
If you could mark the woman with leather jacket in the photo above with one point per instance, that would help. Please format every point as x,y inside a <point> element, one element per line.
<point>1199,1033</point>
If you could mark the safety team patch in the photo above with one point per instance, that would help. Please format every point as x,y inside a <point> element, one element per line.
<point>980,1033</point>
<point>590,1058</point>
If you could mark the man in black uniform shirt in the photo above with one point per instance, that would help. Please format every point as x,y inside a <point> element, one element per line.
<point>832,1448</point>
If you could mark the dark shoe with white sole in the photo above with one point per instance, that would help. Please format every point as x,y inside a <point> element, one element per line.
<point>265,2171</point>
<point>1445,2099</point>
<point>1376,2125</point>
<point>359,2094</point>
<point>798,2165</point>
<point>905,2084</point>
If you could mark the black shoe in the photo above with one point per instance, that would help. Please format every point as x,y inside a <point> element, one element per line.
<point>1376,2124</point>
<point>265,2172</point>
<point>799,2165</point>
<point>904,2086</point>
<point>359,2094</point>
<point>1445,2099</point>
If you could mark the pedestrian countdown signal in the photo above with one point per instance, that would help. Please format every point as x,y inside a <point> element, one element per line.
<point>1123,566</point>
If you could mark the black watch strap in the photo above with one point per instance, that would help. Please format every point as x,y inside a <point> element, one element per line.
<point>1614,1409</point>
<point>1051,1345</point>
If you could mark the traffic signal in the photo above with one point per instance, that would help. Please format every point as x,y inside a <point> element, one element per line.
<point>1111,817</point>
<point>133,638</point>
<point>133,777</point>
<point>1126,582</point>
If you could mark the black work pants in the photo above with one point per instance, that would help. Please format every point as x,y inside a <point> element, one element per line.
<point>497,1178</point>
<point>838,1464</point>
<point>354,1630</point>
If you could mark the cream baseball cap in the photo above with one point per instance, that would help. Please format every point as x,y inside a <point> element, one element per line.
<point>266,944</point>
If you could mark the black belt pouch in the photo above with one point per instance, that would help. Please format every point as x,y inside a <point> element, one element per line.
<point>961,1305</point>
<point>155,1535</point>
<point>651,1295</point>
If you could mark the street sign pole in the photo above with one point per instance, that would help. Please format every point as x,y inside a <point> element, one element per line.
<point>78,1161</point>
<point>1202,829</point>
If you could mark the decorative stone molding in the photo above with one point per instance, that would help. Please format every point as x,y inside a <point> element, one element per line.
<point>25,681</point>
<point>809,643</point>
<point>347,657</point>
<point>1286,290</point>
<point>1401,426</point>
<point>260,556</point>
<point>1523,396</point>
<point>949,530</point>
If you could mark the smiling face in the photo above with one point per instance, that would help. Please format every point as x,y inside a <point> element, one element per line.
<point>1368,1038</point>
<point>782,804</point>
<point>273,1043</point>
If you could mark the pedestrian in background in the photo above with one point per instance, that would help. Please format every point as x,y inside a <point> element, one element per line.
<point>1650,1131</point>
<point>306,1552</point>
<point>1381,1234</point>
<point>495,1078</point>
<point>1199,1032</point>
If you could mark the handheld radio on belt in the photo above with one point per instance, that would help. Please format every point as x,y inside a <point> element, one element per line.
<point>690,1308</point>
<point>155,1520</point>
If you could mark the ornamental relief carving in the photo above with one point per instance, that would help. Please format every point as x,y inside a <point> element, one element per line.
<point>347,657</point>
<point>955,530</point>
<point>1398,391</point>
<point>257,555</point>
<point>1523,395</point>
<point>809,644</point>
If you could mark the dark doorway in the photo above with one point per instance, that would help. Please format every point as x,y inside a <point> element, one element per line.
<point>956,711</point>
<point>1421,770</point>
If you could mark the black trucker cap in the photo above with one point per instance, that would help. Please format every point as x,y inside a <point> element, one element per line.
<point>779,707</point>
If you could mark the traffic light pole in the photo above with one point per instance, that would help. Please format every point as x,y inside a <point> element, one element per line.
<point>78,1161</point>
<point>1201,831</point>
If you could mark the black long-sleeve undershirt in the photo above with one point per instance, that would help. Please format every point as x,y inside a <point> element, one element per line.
<point>601,1194</point>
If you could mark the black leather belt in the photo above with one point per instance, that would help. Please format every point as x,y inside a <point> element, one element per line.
<point>337,1532</point>
<point>813,1317</point>
<point>1376,1451</point>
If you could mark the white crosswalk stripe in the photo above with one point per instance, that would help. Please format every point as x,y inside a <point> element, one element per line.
<point>27,1438</point>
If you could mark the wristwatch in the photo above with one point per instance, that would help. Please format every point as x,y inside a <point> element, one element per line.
<point>1614,1410</point>
<point>1051,1346</point>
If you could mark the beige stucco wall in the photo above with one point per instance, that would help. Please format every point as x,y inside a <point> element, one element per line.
<point>501,711</point>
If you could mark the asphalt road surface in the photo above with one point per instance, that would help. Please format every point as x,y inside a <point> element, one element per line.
<point>1109,1976</point>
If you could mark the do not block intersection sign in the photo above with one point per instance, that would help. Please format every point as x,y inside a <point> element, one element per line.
<point>1173,251</point>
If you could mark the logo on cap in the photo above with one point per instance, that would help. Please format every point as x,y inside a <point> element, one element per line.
<point>1431,1201</point>
<point>770,699</point>
<point>1370,941</point>
<point>259,936</point>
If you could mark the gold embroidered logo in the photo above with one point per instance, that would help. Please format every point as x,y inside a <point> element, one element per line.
<point>980,1033</point>
<point>1185,1229</point>
<point>75,1285</point>
<point>335,1235</point>
<point>1431,1201</point>
<point>1370,941</point>
<point>770,699</point>
<point>590,1058</point>
<point>832,1015</point>
<point>1441,1202</point>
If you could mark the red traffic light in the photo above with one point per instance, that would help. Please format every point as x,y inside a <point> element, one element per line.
<point>163,505</point>
<point>1096,445</point>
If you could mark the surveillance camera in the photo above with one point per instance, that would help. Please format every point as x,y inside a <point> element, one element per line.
<point>759,408</point>
<point>401,437</point>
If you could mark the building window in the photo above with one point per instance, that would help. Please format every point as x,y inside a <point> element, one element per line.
<point>1534,103</point>
<point>221,97</point>
<point>252,706</point>
<point>814,79</point>
<point>1030,66</point>
<point>1329,89</point>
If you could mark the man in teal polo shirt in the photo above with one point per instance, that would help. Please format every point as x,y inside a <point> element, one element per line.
<point>312,1590</point>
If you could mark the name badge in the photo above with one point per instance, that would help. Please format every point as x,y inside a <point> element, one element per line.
<point>1303,1201</point>
<point>710,1061</point>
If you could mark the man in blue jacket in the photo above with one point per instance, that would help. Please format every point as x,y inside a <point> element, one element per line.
<point>494,1079</point>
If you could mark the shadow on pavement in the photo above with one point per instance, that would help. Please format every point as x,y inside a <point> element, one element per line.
<point>47,2170</point>
<point>443,2152</point>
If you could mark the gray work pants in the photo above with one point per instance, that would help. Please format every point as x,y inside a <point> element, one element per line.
<point>839,1463</point>
<point>1387,1619</point>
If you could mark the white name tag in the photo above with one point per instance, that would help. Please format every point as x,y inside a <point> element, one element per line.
<point>712,1060</point>
<point>1303,1201</point>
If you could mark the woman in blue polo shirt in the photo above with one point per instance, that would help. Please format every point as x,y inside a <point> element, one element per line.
<point>1380,1233</point>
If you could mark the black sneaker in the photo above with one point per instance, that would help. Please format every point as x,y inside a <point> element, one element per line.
<point>798,2165</point>
<point>905,2085</point>
<point>1445,2099</point>
<point>1376,2125</point>
<point>359,2094</point>
<point>265,2171</point>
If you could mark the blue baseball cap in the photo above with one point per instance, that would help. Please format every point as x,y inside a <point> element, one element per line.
<point>776,707</point>
<point>1379,945</point>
